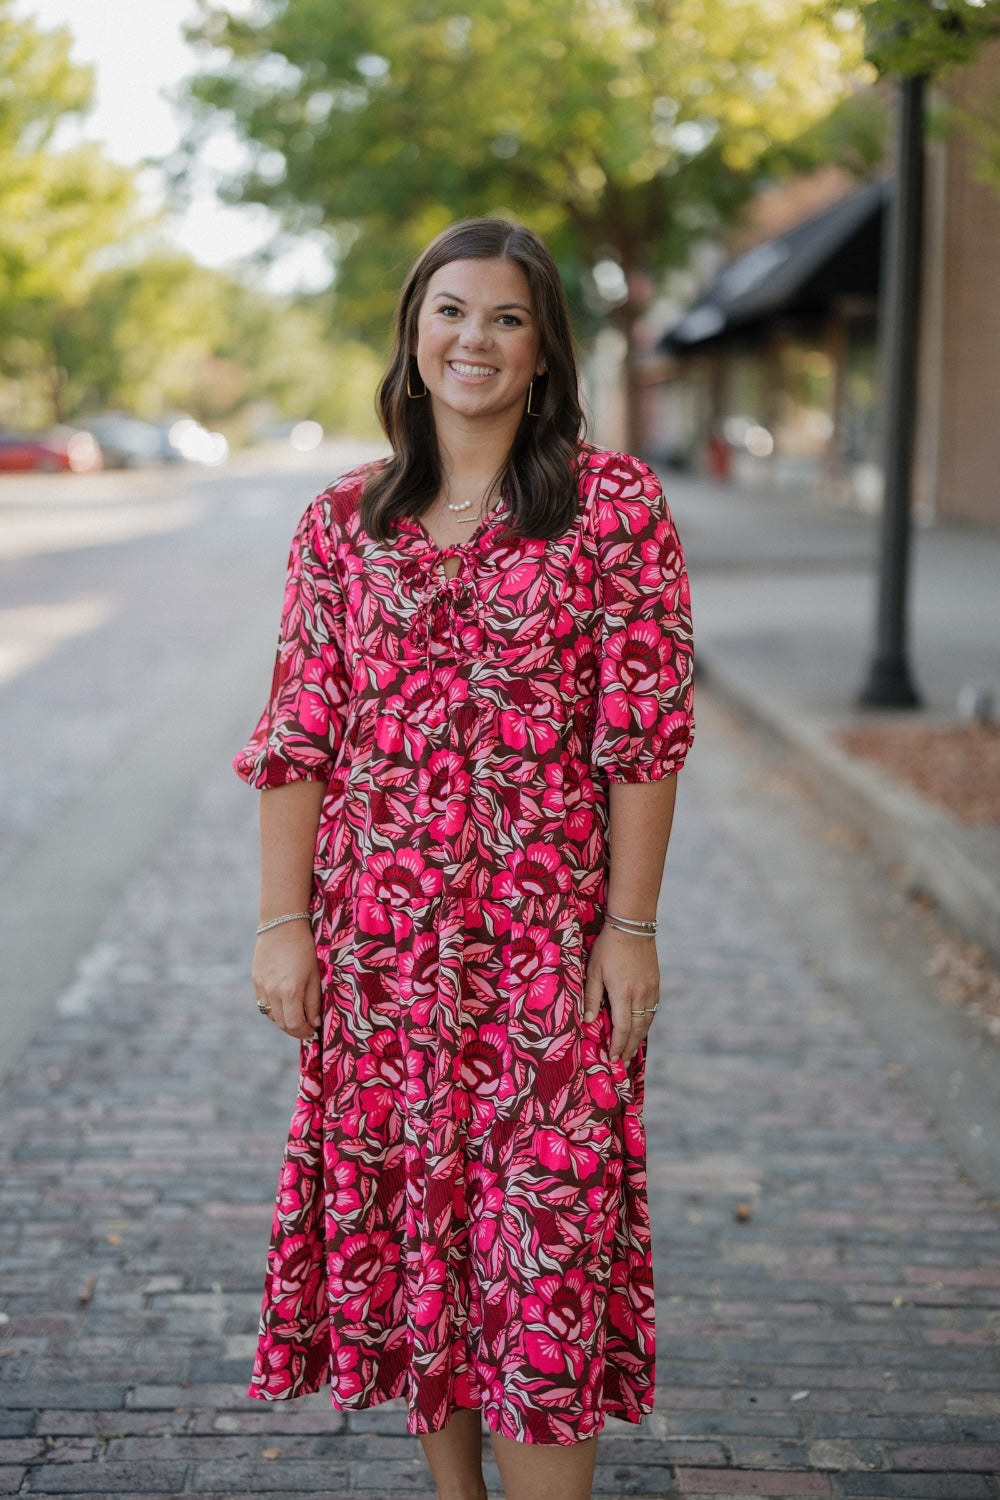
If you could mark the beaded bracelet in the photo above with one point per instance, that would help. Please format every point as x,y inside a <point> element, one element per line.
<point>291,916</point>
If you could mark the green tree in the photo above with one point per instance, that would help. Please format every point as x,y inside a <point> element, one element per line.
<point>60,210</point>
<point>621,129</point>
<point>163,333</point>
<point>141,335</point>
<point>853,136</point>
<point>910,38</point>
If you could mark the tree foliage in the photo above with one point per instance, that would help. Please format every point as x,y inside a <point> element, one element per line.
<point>908,38</point>
<point>852,136</point>
<point>621,129</point>
<point>931,38</point>
<point>39,84</point>
<point>95,313</point>
<point>164,333</point>
<point>60,210</point>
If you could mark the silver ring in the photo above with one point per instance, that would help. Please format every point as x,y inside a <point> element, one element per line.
<point>263,1007</point>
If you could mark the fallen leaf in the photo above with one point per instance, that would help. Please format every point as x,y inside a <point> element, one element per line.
<point>271,1453</point>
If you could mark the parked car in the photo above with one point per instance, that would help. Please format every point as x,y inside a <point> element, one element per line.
<point>129,442</point>
<point>62,449</point>
<point>304,436</point>
<point>198,444</point>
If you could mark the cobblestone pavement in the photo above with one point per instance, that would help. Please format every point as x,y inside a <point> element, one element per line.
<point>829,1286</point>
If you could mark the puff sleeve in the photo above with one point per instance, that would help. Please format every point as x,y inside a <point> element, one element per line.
<point>644,723</point>
<point>299,733</point>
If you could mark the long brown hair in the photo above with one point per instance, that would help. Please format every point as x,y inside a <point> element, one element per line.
<point>538,478</point>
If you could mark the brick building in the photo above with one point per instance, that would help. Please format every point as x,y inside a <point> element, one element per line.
<point>774,376</point>
<point>958,449</point>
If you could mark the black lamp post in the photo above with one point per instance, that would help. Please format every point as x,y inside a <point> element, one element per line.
<point>889,683</point>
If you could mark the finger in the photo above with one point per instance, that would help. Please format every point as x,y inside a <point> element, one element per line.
<point>641,1019</point>
<point>303,1029</point>
<point>314,1002</point>
<point>280,1009</point>
<point>264,1008</point>
<point>277,1013</point>
<point>593,993</point>
<point>621,1029</point>
<point>637,1036</point>
<point>294,1020</point>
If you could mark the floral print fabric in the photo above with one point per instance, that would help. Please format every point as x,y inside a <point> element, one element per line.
<point>461,1217</point>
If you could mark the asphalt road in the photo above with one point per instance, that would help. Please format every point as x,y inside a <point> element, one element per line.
<point>138,614</point>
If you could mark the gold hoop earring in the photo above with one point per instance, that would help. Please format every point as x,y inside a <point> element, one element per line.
<point>414,395</point>
<point>528,411</point>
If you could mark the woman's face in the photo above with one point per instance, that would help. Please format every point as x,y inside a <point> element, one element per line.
<point>478,345</point>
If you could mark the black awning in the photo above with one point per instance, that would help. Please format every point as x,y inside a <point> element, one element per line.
<point>834,254</point>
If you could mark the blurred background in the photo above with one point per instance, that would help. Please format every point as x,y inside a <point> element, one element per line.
<point>205,213</point>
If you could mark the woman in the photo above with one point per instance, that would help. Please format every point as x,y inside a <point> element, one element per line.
<point>480,703</point>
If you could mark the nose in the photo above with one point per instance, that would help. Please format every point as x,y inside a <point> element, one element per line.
<point>476,333</point>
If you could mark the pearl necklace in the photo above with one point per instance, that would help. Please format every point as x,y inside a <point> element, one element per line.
<point>485,509</point>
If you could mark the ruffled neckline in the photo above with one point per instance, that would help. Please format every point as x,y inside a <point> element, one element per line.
<point>433,555</point>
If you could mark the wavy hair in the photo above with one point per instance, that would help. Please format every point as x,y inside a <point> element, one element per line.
<point>538,477</point>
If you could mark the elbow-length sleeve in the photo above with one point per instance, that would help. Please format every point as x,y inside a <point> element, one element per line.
<point>644,725</point>
<point>298,735</point>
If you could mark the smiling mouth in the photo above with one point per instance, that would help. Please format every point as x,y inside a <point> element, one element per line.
<point>478,370</point>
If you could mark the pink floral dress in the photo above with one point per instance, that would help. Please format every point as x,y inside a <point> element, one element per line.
<point>461,1216</point>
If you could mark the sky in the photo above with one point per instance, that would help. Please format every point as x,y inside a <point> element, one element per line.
<point>139,54</point>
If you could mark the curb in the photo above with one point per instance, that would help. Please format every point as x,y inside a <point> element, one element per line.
<point>907,828</point>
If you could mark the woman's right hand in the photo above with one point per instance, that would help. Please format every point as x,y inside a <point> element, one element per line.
<point>285,975</point>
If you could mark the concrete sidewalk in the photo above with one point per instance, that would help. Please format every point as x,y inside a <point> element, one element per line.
<point>785,595</point>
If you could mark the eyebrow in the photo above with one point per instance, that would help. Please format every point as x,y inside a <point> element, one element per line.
<point>500,306</point>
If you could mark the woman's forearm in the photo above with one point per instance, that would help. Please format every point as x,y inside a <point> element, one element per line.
<point>289,818</point>
<point>623,968</point>
<point>640,815</point>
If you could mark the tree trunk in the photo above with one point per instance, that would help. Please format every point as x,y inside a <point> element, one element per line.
<point>633,423</point>
<point>626,318</point>
<point>56,383</point>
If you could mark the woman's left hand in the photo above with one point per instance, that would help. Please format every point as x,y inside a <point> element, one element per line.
<point>626,969</point>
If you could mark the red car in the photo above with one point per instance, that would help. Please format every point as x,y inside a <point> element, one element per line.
<point>61,449</point>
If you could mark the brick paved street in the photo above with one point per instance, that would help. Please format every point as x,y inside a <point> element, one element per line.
<point>829,1286</point>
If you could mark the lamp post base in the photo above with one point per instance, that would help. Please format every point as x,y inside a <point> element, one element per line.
<point>889,685</point>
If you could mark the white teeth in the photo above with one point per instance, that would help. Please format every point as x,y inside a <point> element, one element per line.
<point>472,369</point>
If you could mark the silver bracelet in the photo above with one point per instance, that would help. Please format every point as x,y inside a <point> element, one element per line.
<point>291,916</point>
<point>630,924</point>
